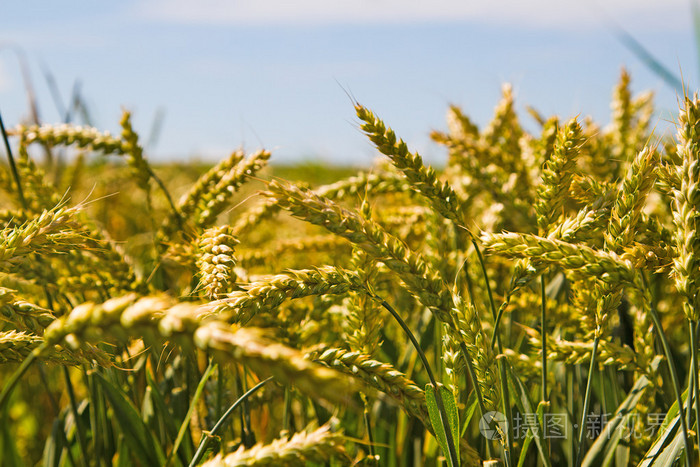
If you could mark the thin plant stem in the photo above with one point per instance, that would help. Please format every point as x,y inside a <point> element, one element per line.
<point>571,410</point>
<point>193,404</point>
<point>672,370</point>
<point>368,427</point>
<point>544,339</point>
<point>477,389</point>
<point>587,400</point>
<point>497,321</point>
<point>245,433</point>
<point>13,166</point>
<point>19,372</point>
<point>78,422</point>
<point>692,325</point>
<point>219,390</point>
<point>506,301</point>
<point>501,363</point>
<point>438,339</point>
<point>287,408</point>
<point>487,282</point>
<point>507,408</point>
<point>438,397</point>
<point>219,424</point>
<point>470,364</point>
<point>691,389</point>
<point>245,410</point>
<point>57,411</point>
<point>543,295</point>
<point>161,185</point>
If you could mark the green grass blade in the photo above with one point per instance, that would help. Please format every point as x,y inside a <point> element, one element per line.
<point>17,375</point>
<point>436,420</point>
<point>53,446</point>
<point>472,404</point>
<point>525,405</point>
<point>161,407</point>
<point>149,411</point>
<point>648,59</point>
<point>137,437</point>
<point>523,450</point>
<point>193,404</point>
<point>206,437</point>
<point>604,447</point>
<point>80,429</point>
<point>666,438</point>
<point>99,424</point>
<point>692,325</point>
<point>659,330</point>
<point>123,459</point>
<point>586,401</point>
<point>671,453</point>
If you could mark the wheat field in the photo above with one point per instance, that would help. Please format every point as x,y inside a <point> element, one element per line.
<point>533,302</point>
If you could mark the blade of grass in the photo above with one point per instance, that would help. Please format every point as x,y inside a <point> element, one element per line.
<point>206,437</point>
<point>54,445</point>
<point>666,437</point>
<point>543,320</point>
<point>438,397</point>
<point>692,327</point>
<point>19,372</point>
<point>471,405</point>
<point>671,453</point>
<point>137,438</point>
<point>13,166</point>
<point>80,429</point>
<point>431,394</point>
<point>671,367</point>
<point>58,428</point>
<point>501,360</point>
<point>525,405</point>
<point>648,59</point>
<point>193,404</point>
<point>586,401</point>
<point>607,442</point>
<point>95,422</point>
<point>366,414</point>
<point>162,411</point>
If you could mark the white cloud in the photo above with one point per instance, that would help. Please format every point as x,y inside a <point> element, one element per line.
<point>660,14</point>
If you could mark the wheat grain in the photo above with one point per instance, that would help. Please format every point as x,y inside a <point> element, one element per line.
<point>318,446</point>
<point>685,208</point>
<point>580,260</point>
<point>422,179</point>
<point>216,261</point>
<point>557,175</point>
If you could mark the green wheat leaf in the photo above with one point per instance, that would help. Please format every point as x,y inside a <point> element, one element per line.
<point>137,437</point>
<point>435,419</point>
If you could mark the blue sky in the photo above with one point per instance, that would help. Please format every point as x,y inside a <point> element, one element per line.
<point>273,73</point>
